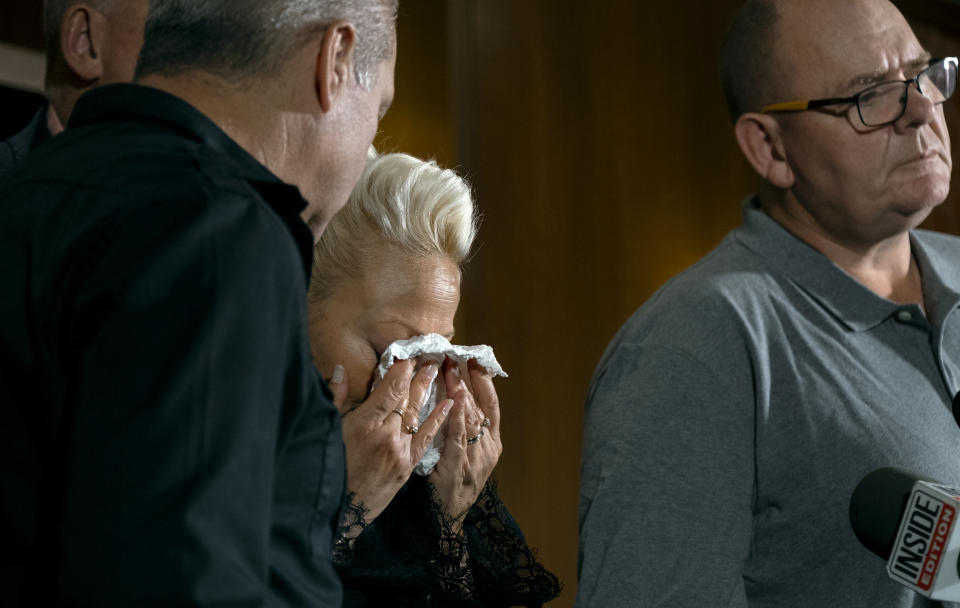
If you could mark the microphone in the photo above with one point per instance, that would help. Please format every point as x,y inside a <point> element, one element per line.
<point>909,520</point>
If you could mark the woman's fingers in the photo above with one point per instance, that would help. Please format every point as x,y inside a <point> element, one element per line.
<point>451,377</point>
<point>401,394</point>
<point>338,388</point>
<point>456,385</point>
<point>486,395</point>
<point>392,393</point>
<point>457,427</point>
<point>419,389</point>
<point>429,429</point>
<point>463,467</point>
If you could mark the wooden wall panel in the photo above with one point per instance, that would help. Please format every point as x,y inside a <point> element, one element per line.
<point>601,155</point>
<point>420,121</point>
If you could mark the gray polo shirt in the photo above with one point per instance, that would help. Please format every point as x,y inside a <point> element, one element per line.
<point>732,416</point>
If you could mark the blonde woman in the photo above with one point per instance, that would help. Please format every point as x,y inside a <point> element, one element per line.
<point>388,268</point>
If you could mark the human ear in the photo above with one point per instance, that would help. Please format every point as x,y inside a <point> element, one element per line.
<point>335,62</point>
<point>80,42</point>
<point>761,141</point>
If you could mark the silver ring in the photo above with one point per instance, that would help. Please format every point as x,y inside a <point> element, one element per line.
<point>473,440</point>
<point>485,423</point>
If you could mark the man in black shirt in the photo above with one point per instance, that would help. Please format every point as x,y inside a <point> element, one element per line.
<point>89,43</point>
<point>164,437</point>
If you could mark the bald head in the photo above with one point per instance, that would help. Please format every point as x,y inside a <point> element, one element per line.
<point>772,47</point>
<point>747,68</point>
<point>827,49</point>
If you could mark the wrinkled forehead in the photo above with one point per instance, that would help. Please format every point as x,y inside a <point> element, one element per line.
<point>829,47</point>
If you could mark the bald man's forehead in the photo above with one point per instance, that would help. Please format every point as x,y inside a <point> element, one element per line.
<point>907,68</point>
<point>832,48</point>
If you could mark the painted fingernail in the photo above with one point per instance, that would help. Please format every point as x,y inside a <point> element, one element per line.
<point>447,404</point>
<point>337,374</point>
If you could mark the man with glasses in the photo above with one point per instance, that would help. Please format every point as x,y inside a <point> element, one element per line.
<point>731,418</point>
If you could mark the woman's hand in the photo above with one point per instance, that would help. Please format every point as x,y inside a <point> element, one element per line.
<point>382,441</point>
<point>472,446</point>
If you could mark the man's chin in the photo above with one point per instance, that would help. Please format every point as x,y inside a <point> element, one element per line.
<point>916,212</point>
<point>923,193</point>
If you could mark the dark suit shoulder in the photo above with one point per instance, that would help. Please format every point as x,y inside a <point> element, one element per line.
<point>18,146</point>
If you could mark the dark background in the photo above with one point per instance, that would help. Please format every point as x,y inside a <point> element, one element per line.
<point>599,148</point>
<point>18,107</point>
<point>21,23</point>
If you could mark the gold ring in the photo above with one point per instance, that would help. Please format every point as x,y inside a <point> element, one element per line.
<point>412,430</point>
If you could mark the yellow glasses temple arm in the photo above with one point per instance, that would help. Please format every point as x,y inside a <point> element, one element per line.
<point>787,106</point>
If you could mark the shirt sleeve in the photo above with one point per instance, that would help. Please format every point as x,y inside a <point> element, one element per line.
<point>177,350</point>
<point>666,483</point>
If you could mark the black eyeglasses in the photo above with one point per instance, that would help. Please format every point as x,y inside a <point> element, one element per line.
<point>886,102</point>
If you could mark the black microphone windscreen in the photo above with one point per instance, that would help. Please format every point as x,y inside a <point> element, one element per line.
<point>877,505</point>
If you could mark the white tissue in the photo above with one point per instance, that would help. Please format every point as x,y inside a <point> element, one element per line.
<point>434,347</point>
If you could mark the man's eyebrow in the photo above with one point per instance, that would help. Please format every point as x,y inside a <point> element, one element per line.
<point>876,76</point>
<point>867,78</point>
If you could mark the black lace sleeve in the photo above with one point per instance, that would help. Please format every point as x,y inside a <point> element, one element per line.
<point>353,522</point>
<point>450,565</point>
<point>505,569</point>
<point>410,556</point>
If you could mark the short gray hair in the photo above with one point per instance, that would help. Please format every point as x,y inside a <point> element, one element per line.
<point>748,65</point>
<point>400,201</point>
<point>246,38</point>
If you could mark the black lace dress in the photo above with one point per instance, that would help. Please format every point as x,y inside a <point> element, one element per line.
<point>409,556</point>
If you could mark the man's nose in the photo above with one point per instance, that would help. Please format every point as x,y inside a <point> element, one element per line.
<point>920,109</point>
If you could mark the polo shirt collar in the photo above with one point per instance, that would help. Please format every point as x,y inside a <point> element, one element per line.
<point>941,278</point>
<point>847,300</point>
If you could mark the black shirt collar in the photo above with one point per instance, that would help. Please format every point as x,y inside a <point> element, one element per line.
<point>139,103</point>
